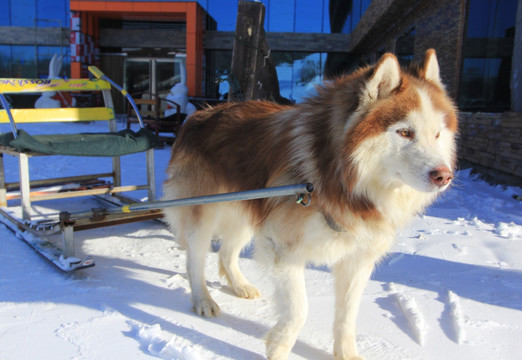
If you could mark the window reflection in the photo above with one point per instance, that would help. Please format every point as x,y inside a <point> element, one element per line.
<point>23,62</point>
<point>217,85</point>
<point>44,55</point>
<point>24,13</point>
<point>31,61</point>
<point>280,15</point>
<point>490,18</point>
<point>485,84</point>
<point>224,12</point>
<point>358,7</point>
<point>57,11</point>
<point>405,47</point>
<point>5,61</point>
<point>299,73</point>
<point>5,18</point>
<point>310,16</point>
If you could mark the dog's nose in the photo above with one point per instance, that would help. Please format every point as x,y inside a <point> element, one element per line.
<point>441,176</point>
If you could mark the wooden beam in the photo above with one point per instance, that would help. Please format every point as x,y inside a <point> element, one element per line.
<point>252,74</point>
<point>247,54</point>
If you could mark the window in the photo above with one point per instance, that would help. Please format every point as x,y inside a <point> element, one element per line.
<point>280,15</point>
<point>5,61</point>
<point>44,55</point>
<point>310,15</point>
<point>23,62</point>
<point>487,54</point>
<point>217,74</point>
<point>298,73</point>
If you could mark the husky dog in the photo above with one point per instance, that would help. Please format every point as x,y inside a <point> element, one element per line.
<point>378,145</point>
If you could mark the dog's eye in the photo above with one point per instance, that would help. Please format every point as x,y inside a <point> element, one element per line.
<point>438,135</point>
<point>406,133</point>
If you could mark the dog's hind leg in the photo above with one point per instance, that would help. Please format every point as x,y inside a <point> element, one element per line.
<point>197,236</point>
<point>233,241</point>
<point>292,309</point>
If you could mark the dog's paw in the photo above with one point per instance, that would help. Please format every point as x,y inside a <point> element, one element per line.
<point>207,308</point>
<point>247,291</point>
<point>277,354</point>
<point>277,345</point>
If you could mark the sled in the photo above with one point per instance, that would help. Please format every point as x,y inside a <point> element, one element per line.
<point>114,204</point>
<point>22,218</point>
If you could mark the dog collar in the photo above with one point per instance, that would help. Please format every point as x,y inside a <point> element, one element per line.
<point>333,224</point>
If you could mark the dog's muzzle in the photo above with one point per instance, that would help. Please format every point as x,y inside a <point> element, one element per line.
<point>441,176</point>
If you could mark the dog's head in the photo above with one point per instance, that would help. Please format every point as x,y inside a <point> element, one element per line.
<point>403,130</point>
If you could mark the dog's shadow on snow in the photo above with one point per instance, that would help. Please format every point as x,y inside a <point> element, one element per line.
<point>177,299</point>
<point>484,284</point>
<point>489,285</point>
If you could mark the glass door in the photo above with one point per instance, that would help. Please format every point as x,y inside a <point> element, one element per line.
<point>167,73</point>
<point>156,76</point>
<point>137,77</point>
<point>152,75</point>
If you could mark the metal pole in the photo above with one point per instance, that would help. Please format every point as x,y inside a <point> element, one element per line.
<point>5,105</point>
<point>100,75</point>
<point>297,190</point>
<point>226,197</point>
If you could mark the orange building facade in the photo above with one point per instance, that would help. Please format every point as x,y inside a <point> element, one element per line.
<point>85,31</point>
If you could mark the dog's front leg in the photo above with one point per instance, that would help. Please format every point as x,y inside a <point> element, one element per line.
<point>351,276</point>
<point>292,307</point>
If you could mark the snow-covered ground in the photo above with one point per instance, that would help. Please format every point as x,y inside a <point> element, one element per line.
<point>450,289</point>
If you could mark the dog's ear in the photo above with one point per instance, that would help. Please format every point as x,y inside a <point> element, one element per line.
<point>430,67</point>
<point>385,78</point>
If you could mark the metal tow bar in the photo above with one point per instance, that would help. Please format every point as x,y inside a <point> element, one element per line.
<point>299,190</point>
<point>85,220</point>
<point>302,191</point>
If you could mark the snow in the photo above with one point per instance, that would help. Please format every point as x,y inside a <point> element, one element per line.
<point>451,288</point>
<point>413,316</point>
<point>457,317</point>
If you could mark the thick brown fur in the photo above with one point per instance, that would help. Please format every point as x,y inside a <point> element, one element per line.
<point>378,146</point>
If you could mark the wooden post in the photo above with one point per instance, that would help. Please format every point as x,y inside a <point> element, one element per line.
<point>253,75</point>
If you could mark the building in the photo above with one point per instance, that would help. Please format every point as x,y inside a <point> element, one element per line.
<point>142,39</point>
<point>143,45</point>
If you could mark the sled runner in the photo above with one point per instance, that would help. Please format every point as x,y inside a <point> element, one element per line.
<point>36,227</point>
